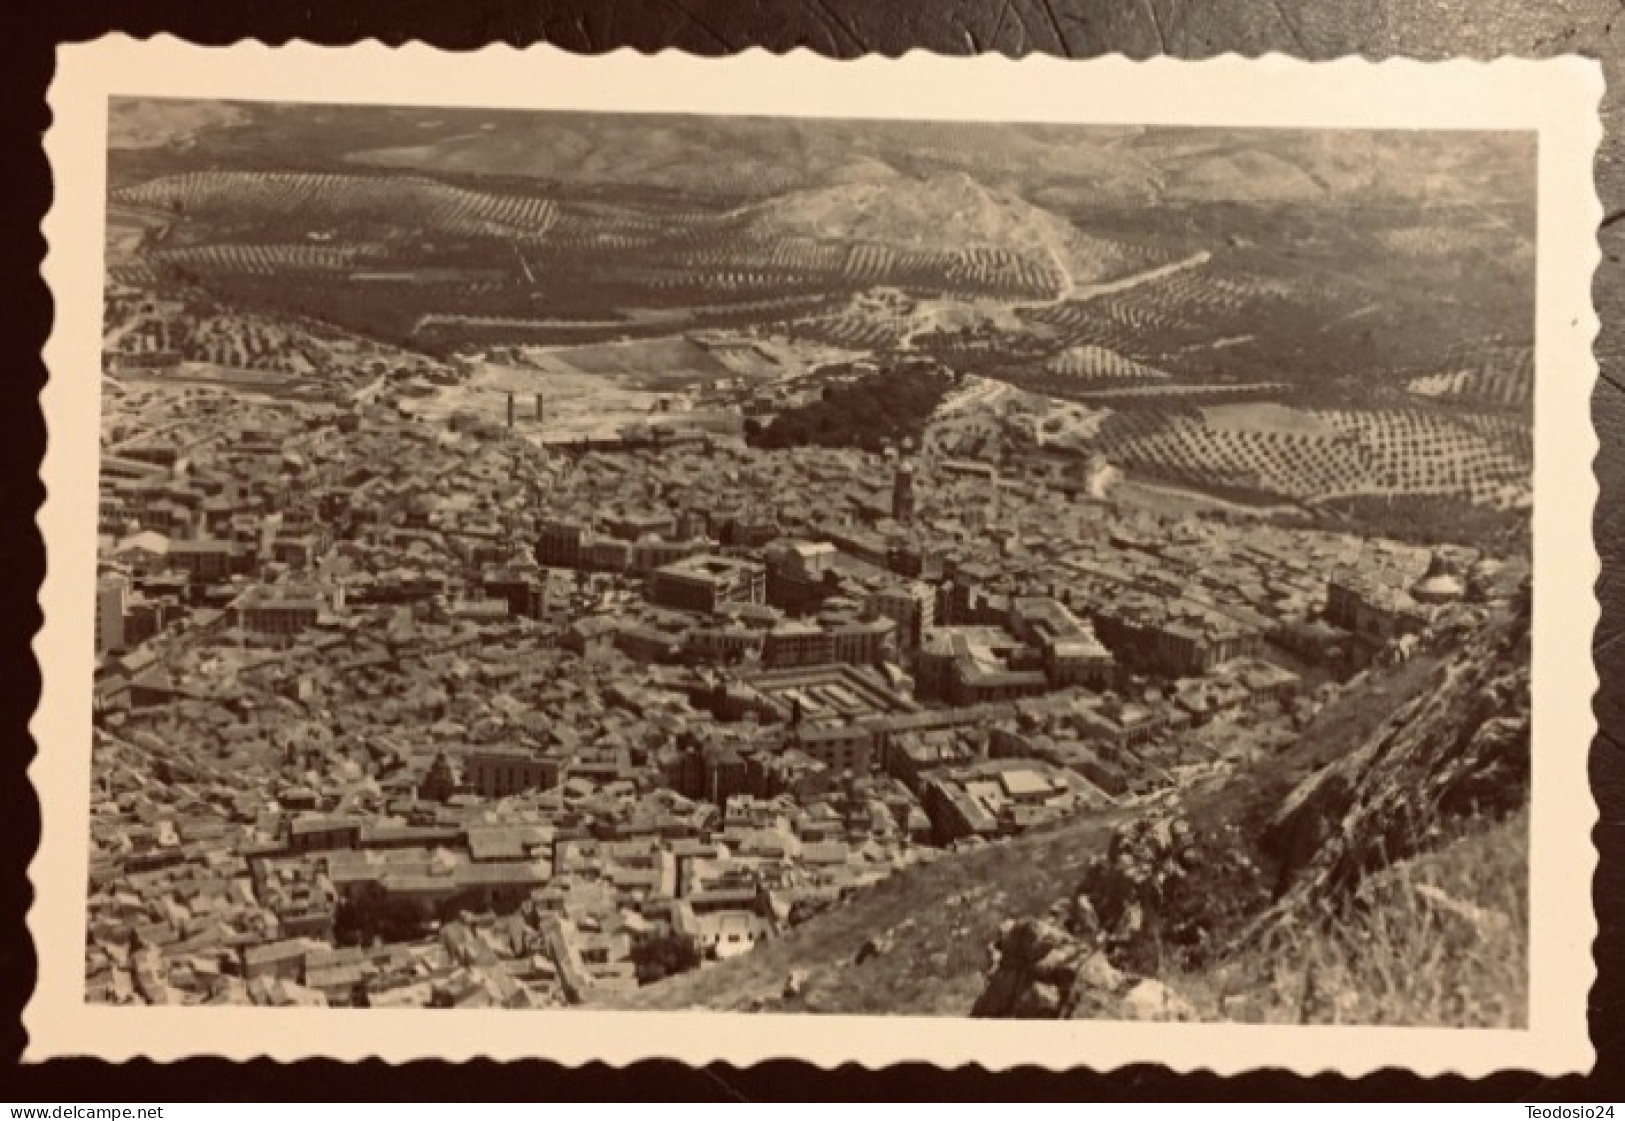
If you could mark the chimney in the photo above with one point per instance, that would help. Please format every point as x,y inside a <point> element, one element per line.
<point>510,410</point>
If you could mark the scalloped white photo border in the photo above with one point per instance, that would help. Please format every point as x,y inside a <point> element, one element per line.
<point>1557,98</point>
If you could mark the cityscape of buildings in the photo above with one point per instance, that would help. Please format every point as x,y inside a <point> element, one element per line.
<point>398,711</point>
<point>542,554</point>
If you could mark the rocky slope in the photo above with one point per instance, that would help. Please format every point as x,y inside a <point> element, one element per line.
<point>1461,750</point>
<point>1189,908</point>
<point>1191,889</point>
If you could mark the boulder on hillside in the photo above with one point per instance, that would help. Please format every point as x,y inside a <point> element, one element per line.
<point>1460,751</point>
<point>1152,1000</point>
<point>1308,816</point>
<point>1163,886</point>
<point>1045,972</point>
<point>872,948</point>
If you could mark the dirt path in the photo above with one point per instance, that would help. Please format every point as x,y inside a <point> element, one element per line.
<point>1074,293</point>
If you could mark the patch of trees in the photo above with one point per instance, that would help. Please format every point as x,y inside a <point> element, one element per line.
<point>664,956</point>
<point>869,413</point>
<point>1429,520</point>
<point>359,920</point>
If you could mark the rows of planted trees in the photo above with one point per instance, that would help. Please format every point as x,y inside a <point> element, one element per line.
<point>318,200</point>
<point>1347,452</point>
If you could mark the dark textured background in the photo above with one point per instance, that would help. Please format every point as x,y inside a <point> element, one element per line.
<point>842,28</point>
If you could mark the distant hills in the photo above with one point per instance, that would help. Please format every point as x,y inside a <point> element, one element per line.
<point>1217,256</point>
<point>1062,167</point>
<point>950,207</point>
<point>987,230</point>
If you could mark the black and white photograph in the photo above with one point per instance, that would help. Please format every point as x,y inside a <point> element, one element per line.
<point>651,562</point>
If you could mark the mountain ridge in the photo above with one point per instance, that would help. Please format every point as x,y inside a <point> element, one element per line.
<point>945,210</point>
<point>758,157</point>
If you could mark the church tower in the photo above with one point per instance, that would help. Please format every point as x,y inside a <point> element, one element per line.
<point>902,493</point>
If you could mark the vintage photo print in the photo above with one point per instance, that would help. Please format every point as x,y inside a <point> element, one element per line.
<point>962,561</point>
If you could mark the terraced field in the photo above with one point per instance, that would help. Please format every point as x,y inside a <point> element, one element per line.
<point>776,264</point>
<point>1141,315</point>
<point>1123,323</point>
<point>1512,433</point>
<point>1503,378</point>
<point>630,254</point>
<point>1097,363</point>
<point>323,200</point>
<point>1414,452</point>
<point>1317,455</point>
<point>136,274</point>
<point>1182,310</point>
<point>268,260</point>
<point>848,330</point>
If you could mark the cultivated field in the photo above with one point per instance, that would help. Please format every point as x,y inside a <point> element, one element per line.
<point>1261,452</point>
<point>1096,363</point>
<point>1316,455</point>
<point>334,200</point>
<point>1500,378</point>
<point>1270,351</point>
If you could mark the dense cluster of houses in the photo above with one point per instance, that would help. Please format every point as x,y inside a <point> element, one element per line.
<point>398,713</point>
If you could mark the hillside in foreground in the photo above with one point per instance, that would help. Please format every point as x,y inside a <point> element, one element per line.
<point>1375,871</point>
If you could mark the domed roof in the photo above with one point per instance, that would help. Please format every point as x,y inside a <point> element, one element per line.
<point>1440,583</point>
